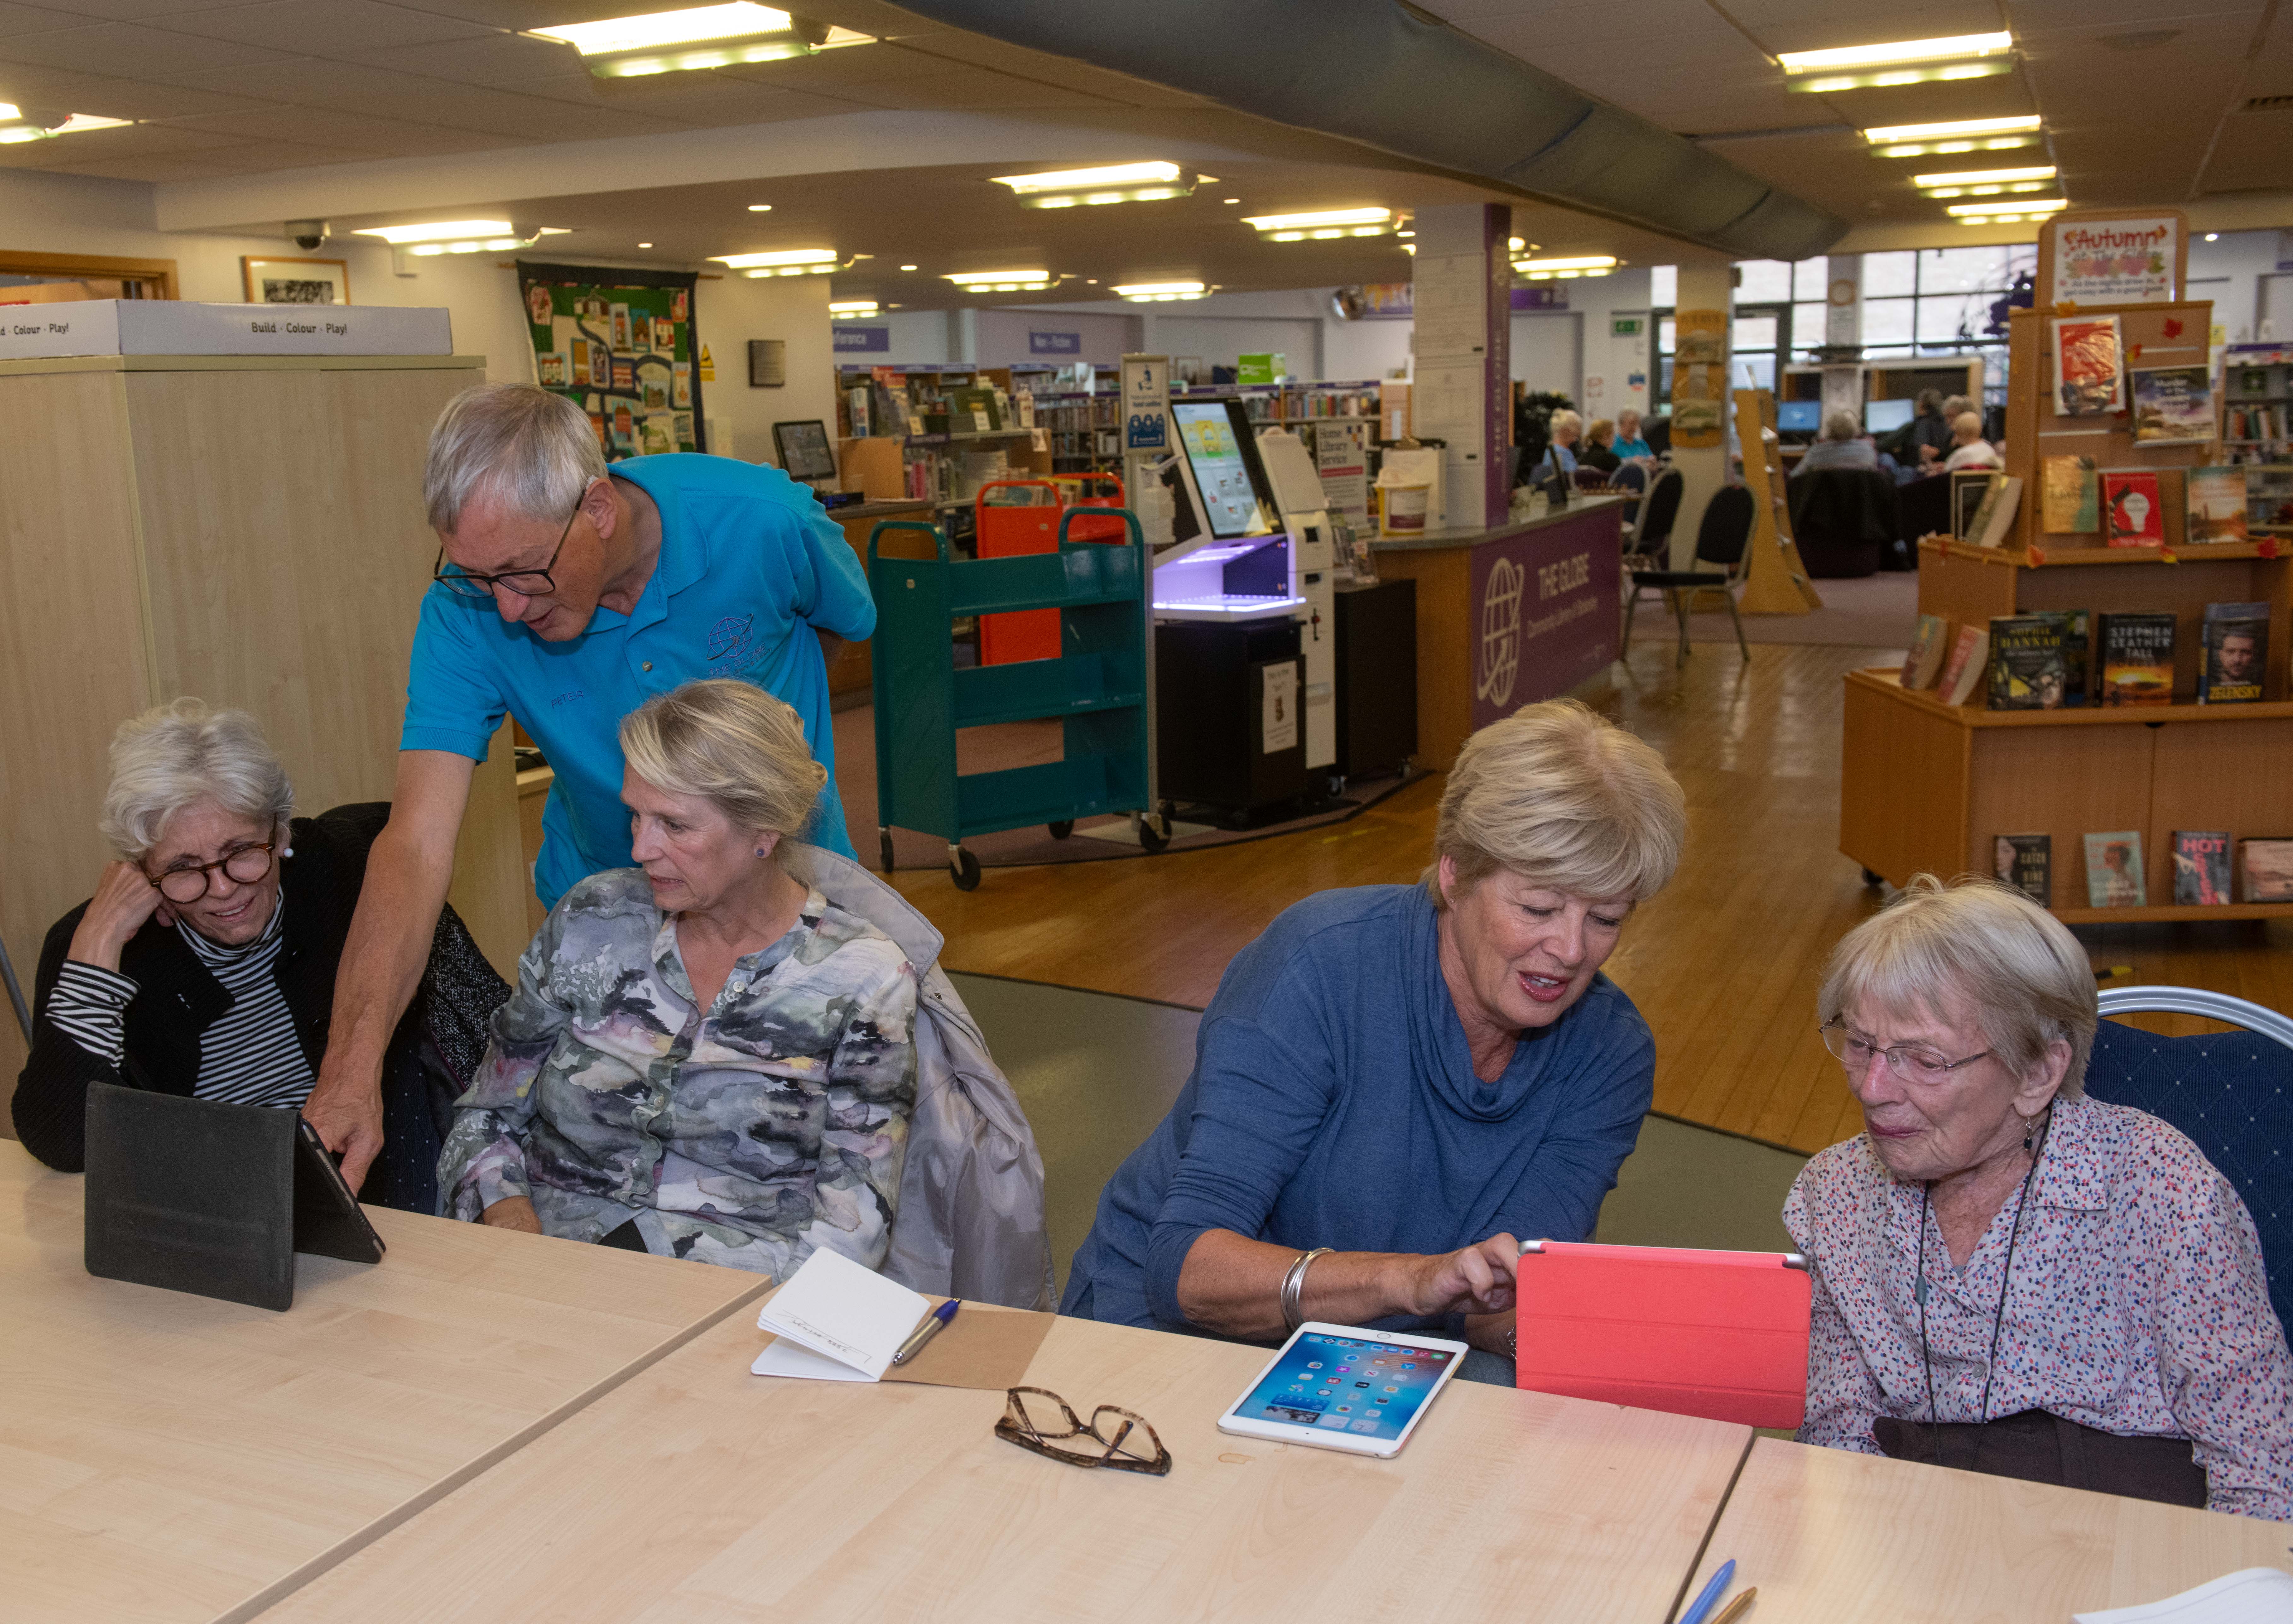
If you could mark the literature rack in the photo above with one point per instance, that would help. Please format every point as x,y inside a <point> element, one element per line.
<point>1775,580</point>
<point>1929,786</point>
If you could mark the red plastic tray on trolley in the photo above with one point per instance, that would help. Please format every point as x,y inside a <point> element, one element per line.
<point>1008,528</point>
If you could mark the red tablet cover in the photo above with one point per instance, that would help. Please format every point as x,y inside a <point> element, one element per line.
<point>1721,1335</point>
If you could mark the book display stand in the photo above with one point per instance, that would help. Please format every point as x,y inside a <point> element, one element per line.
<point>1927,786</point>
<point>1775,581</point>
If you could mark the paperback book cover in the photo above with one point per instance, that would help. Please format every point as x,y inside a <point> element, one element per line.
<point>2137,656</point>
<point>2026,663</point>
<point>2113,869</point>
<point>2070,495</point>
<point>1964,667</point>
<point>2136,513</point>
<point>1968,487</point>
<point>2077,627</point>
<point>2201,868</point>
<point>2026,862</point>
<point>2268,865</point>
<point>2172,405</point>
<point>2236,653</point>
<point>1929,644</point>
<point>2216,503</point>
<point>2087,379</point>
<point>1995,515</point>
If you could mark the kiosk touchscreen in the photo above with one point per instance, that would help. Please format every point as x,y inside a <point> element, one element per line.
<point>1233,557</point>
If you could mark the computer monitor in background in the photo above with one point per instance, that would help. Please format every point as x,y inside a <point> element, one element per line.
<point>1798,416</point>
<point>804,450</point>
<point>1884,417</point>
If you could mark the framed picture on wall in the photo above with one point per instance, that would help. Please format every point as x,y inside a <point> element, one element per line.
<point>296,282</point>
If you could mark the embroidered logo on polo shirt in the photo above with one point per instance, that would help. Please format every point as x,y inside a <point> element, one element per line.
<point>728,640</point>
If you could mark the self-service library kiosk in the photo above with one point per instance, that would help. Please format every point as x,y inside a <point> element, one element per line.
<point>1245,665</point>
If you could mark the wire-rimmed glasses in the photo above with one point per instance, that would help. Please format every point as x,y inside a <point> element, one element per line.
<point>1911,1062</point>
<point>1117,1441</point>
<point>189,883</point>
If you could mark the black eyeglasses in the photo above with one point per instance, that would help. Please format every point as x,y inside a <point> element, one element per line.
<point>191,881</point>
<point>525,583</point>
<point>1018,1426</point>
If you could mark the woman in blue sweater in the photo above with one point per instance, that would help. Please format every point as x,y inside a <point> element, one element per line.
<point>1396,1084</point>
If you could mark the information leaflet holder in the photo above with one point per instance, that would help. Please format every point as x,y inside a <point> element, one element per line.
<point>1097,687</point>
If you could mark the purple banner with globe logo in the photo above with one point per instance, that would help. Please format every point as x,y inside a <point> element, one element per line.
<point>1545,607</point>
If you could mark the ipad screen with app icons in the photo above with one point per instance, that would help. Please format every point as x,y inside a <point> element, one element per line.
<point>1344,1388</point>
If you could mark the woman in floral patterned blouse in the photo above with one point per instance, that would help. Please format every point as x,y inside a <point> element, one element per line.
<point>704,1058</point>
<point>2068,1288</point>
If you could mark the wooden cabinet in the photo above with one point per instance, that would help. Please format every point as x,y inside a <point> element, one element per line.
<point>248,530</point>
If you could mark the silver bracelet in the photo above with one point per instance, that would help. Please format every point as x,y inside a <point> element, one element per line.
<point>1293,1284</point>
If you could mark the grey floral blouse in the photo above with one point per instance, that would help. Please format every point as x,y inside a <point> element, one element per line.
<point>750,1134</point>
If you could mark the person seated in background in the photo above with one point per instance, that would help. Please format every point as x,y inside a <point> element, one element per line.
<point>1565,427</point>
<point>1396,1084</point>
<point>1628,443</point>
<point>205,963</point>
<point>2068,1288</point>
<point>1926,439</point>
<point>704,1057</point>
<point>1598,451</point>
<point>1841,445</point>
<point>1968,448</point>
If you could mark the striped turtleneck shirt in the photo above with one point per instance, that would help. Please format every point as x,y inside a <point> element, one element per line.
<point>250,1055</point>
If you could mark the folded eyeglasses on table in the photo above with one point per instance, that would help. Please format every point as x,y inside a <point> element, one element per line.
<point>1117,1443</point>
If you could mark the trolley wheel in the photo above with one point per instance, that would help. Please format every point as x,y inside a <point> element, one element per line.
<point>1061,828</point>
<point>1869,878</point>
<point>963,868</point>
<point>1150,838</point>
<point>884,847</point>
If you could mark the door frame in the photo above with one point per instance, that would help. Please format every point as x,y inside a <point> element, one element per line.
<point>161,271</point>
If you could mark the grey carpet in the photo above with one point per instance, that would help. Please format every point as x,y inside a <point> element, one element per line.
<point>1095,1073</point>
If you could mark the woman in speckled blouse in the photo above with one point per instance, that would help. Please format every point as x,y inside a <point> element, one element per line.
<point>704,1056</point>
<point>2010,1277</point>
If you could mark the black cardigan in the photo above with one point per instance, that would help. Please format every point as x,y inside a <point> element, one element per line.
<point>177,998</point>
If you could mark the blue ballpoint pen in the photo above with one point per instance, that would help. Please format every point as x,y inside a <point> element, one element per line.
<point>1700,1608</point>
<point>923,1333</point>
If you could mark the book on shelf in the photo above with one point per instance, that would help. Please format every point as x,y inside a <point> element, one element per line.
<point>2132,507</point>
<point>2173,405</point>
<point>1963,670</point>
<point>2113,869</point>
<point>1929,644</point>
<point>2235,656</point>
<point>2089,379</point>
<point>1994,515</point>
<point>2213,505</point>
<point>2070,499</point>
<point>2026,862</point>
<point>2076,625</point>
<point>2201,868</point>
<point>2250,424</point>
<point>2268,865</point>
<point>1968,487</point>
<point>2135,656</point>
<point>2026,672</point>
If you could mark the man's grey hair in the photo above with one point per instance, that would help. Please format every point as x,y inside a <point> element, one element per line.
<point>535,451</point>
<point>179,754</point>
<point>1841,425</point>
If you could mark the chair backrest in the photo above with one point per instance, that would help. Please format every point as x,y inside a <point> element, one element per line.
<point>1726,527</point>
<point>1632,476</point>
<point>1922,508</point>
<point>2231,1093</point>
<point>1660,513</point>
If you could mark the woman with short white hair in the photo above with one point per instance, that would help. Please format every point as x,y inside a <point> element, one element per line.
<point>704,1058</point>
<point>2010,1277</point>
<point>1394,1084</point>
<point>205,963</point>
<point>1968,448</point>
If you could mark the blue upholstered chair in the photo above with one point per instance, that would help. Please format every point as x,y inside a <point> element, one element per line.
<point>2231,1093</point>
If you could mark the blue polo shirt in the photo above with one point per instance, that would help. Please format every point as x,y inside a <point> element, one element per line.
<point>749,564</point>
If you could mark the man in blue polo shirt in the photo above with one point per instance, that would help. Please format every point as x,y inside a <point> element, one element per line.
<point>567,595</point>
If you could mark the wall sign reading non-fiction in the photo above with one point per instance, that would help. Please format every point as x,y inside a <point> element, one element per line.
<point>864,339</point>
<point>620,345</point>
<point>1054,343</point>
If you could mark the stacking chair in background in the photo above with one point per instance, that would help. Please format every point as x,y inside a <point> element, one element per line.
<point>1723,538</point>
<point>1647,543</point>
<point>2231,1093</point>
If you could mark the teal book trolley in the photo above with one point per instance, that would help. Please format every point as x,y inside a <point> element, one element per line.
<point>1097,687</point>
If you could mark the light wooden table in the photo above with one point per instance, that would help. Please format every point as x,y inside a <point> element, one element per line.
<point>168,1458</point>
<point>697,1492</point>
<point>1828,1535</point>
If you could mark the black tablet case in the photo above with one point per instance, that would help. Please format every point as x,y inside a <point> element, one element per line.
<point>215,1200</point>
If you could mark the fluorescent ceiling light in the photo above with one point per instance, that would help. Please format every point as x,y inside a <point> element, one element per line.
<point>1321,224</point>
<point>760,209</point>
<point>696,38</point>
<point>852,307</point>
<point>1160,293</point>
<point>1910,61</point>
<point>781,263</point>
<point>18,126</point>
<point>2018,208</point>
<point>1000,281</point>
<point>1982,177</point>
<point>1579,265</point>
<point>460,236</point>
<point>1948,131</point>
<point>1108,183</point>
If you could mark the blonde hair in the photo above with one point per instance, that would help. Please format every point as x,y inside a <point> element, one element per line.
<point>179,755</point>
<point>1565,419</point>
<point>731,744</point>
<point>1563,798</point>
<point>1981,943</point>
<point>1967,426</point>
<point>1601,425</point>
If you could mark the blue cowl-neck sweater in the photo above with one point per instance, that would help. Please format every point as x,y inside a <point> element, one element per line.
<point>1333,1103</point>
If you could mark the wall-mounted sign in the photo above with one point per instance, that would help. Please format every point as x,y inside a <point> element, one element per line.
<point>1146,402</point>
<point>876,339</point>
<point>1700,377</point>
<point>1541,296</point>
<point>1054,343</point>
<point>2119,259</point>
<point>1624,327</point>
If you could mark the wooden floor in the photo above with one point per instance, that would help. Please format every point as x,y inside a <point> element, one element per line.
<point>1724,964</point>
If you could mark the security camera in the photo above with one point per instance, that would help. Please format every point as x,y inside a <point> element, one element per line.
<point>308,234</point>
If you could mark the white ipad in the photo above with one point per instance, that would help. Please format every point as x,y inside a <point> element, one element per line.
<point>1341,1387</point>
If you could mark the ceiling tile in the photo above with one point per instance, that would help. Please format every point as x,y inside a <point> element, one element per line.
<point>323,27</point>
<point>35,20</point>
<point>2117,16</point>
<point>486,59</point>
<point>132,50</point>
<point>266,155</point>
<point>669,93</point>
<point>2251,153</point>
<point>214,162</point>
<point>533,13</point>
<point>337,127</point>
<point>852,65</point>
<point>131,11</point>
<point>597,124</point>
<point>968,88</point>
